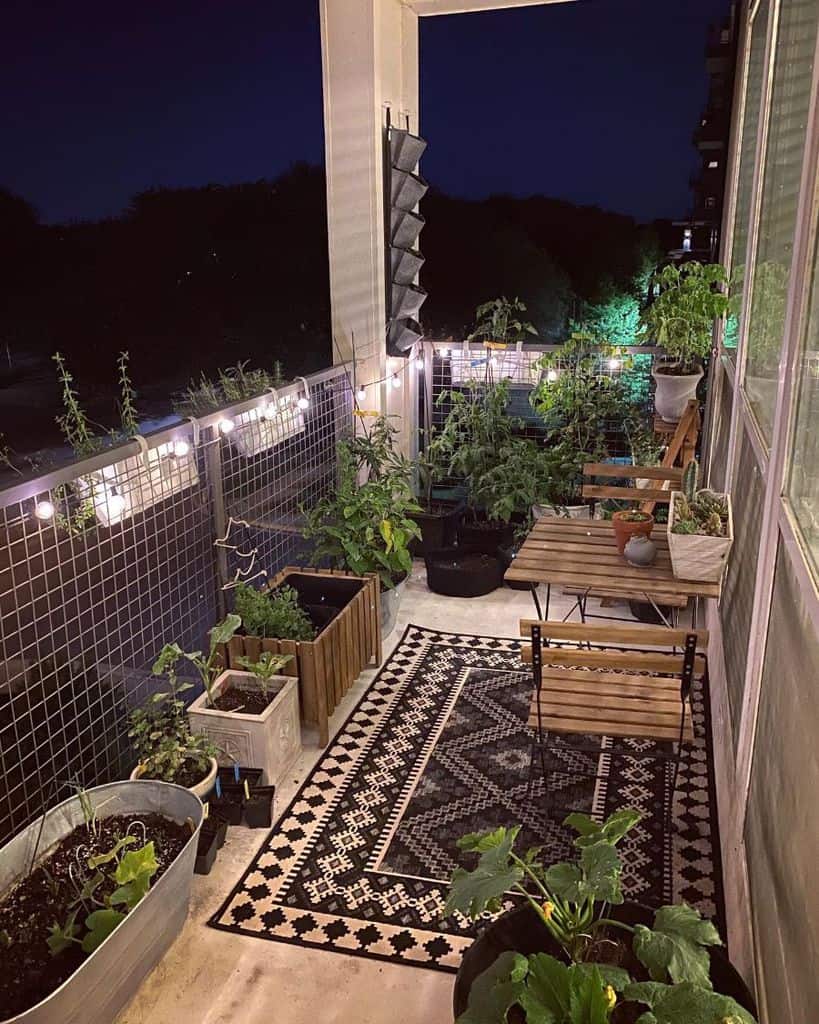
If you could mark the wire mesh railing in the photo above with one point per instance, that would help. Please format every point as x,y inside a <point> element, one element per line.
<point>107,559</point>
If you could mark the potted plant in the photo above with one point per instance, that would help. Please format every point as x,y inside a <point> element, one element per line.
<point>628,523</point>
<point>252,716</point>
<point>91,897</point>
<point>498,325</point>
<point>681,320</point>
<point>165,745</point>
<point>366,527</point>
<point>646,449</point>
<point>700,530</point>
<point>438,519</point>
<point>573,949</point>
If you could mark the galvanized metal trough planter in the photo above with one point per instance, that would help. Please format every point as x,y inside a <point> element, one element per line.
<point>102,985</point>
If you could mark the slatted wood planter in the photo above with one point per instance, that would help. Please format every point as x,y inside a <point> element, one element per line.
<point>328,665</point>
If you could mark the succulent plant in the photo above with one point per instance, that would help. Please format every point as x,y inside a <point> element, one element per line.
<point>701,512</point>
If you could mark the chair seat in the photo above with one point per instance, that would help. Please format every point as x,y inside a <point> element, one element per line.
<point>610,704</point>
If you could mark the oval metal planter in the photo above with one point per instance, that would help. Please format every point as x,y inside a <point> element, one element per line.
<point>102,985</point>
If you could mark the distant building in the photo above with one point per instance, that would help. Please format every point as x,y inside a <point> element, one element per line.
<point>699,233</point>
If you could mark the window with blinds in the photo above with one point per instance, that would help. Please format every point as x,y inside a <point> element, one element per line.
<point>785,149</point>
<point>752,105</point>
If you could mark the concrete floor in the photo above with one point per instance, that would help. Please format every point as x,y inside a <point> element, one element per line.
<point>214,977</point>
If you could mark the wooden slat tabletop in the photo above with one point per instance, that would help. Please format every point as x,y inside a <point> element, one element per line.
<point>583,553</point>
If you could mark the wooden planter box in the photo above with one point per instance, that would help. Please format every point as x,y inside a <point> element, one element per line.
<point>698,557</point>
<point>328,665</point>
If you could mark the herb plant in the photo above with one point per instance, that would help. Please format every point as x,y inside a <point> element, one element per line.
<point>274,615</point>
<point>499,321</point>
<point>572,900</point>
<point>235,384</point>
<point>681,318</point>
<point>207,667</point>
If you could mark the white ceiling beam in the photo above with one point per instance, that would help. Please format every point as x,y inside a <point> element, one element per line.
<point>427,8</point>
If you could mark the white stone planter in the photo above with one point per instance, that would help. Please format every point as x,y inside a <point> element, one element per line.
<point>566,511</point>
<point>673,393</point>
<point>201,789</point>
<point>697,557</point>
<point>270,741</point>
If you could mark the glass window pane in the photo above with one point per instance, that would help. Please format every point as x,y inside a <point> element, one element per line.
<point>803,488</point>
<point>755,78</point>
<point>788,123</point>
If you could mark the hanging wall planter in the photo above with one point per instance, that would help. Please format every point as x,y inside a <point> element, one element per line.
<point>406,300</point>
<point>405,264</point>
<point>257,430</point>
<point>403,334</point>
<point>406,227</point>
<point>407,189</point>
<point>406,149</point>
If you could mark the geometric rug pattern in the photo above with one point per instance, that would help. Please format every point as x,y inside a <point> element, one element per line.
<point>437,747</point>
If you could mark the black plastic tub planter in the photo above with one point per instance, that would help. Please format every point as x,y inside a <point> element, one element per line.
<point>522,931</point>
<point>108,978</point>
<point>463,572</point>
<point>485,535</point>
<point>439,526</point>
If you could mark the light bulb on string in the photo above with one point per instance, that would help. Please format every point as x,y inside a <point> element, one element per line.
<point>443,352</point>
<point>226,425</point>
<point>396,381</point>
<point>614,363</point>
<point>180,449</point>
<point>360,395</point>
<point>44,510</point>
<point>303,403</point>
<point>551,376</point>
<point>419,363</point>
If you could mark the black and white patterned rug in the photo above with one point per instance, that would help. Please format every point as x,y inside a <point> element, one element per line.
<point>438,746</point>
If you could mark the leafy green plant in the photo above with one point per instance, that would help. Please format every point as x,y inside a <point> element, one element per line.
<point>646,448</point>
<point>572,901</point>
<point>207,667</point>
<point>499,321</point>
<point>699,511</point>
<point>128,416</point>
<point>681,318</point>
<point>376,455</point>
<point>234,384</point>
<point>633,515</point>
<point>73,422</point>
<point>365,527</point>
<point>524,475</point>
<point>268,666</point>
<point>276,614</point>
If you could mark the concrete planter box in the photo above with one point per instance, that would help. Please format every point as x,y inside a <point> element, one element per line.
<point>270,741</point>
<point>697,557</point>
<point>328,665</point>
<point>102,985</point>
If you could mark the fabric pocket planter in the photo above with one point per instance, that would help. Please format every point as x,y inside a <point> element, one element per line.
<point>259,807</point>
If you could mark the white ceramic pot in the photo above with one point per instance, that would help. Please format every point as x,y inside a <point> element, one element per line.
<point>566,511</point>
<point>674,392</point>
<point>270,741</point>
<point>201,789</point>
<point>695,556</point>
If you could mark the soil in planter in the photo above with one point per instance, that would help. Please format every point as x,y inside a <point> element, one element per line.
<point>249,702</point>
<point>28,971</point>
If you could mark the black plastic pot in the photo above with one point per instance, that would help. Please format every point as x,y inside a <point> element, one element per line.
<point>259,808</point>
<point>463,571</point>
<point>227,776</point>
<point>206,849</point>
<point>230,804</point>
<point>482,535</point>
<point>322,597</point>
<point>507,556</point>
<point>522,930</point>
<point>438,525</point>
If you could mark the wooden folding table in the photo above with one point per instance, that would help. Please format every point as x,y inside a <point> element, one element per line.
<point>582,556</point>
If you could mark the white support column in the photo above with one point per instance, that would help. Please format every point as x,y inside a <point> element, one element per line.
<point>369,64</point>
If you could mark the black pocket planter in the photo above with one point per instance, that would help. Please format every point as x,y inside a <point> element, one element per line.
<point>463,572</point>
<point>206,849</point>
<point>259,808</point>
<point>484,535</point>
<point>438,525</point>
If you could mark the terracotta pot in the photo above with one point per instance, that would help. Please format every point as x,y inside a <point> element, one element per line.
<point>625,529</point>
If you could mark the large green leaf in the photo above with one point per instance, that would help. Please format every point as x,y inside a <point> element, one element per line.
<point>479,842</point>
<point>618,978</point>
<point>686,1004</point>
<point>612,829</point>
<point>100,924</point>
<point>587,998</point>
<point>472,892</point>
<point>547,997</point>
<point>564,881</point>
<point>602,868</point>
<point>495,991</point>
<point>675,947</point>
<point>223,631</point>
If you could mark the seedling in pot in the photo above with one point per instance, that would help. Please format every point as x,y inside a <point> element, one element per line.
<point>268,666</point>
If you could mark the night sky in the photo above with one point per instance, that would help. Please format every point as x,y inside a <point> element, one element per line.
<point>593,101</point>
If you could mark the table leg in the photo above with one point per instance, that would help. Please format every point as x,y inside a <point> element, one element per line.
<point>537,601</point>
<point>656,608</point>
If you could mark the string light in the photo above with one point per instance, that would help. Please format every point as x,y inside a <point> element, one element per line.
<point>551,376</point>
<point>396,381</point>
<point>614,363</point>
<point>116,505</point>
<point>419,363</point>
<point>443,352</point>
<point>361,395</point>
<point>226,425</point>
<point>303,403</point>
<point>180,449</point>
<point>44,510</point>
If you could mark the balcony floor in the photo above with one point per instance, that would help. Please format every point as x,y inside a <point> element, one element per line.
<point>214,977</point>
